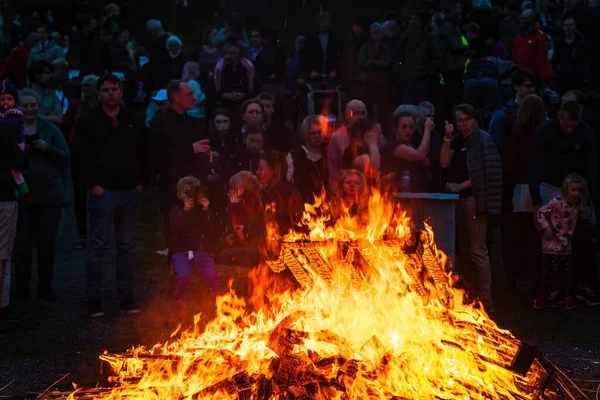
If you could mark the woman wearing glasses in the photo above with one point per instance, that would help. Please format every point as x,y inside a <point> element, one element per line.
<point>475,173</point>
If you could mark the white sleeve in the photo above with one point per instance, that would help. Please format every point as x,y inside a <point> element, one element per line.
<point>290,171</point>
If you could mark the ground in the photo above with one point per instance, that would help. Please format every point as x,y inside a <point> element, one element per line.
<point>59,339</point>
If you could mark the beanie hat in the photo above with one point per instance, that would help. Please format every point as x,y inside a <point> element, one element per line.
<point>7,87</point>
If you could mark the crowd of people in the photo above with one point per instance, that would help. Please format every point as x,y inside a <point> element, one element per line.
<point>487,103</point>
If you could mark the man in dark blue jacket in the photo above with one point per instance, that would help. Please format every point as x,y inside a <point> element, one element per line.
<point>560,147</point>
<point>113,145</point>
<point>11,157</point>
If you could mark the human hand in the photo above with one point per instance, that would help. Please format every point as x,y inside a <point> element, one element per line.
<point>453,187</point>
<point>429,125</point>
<point>188,204</point>
<point>97,190</point>
<point>201,146</point>
<point>314,75</point>
<point>237,96</point>
<point>272,77</point>
<point>212,177</point>
<point>139,188</point>
<point>448,129</point>
<point>204,202</point>
<point>332,75</point>
<point>372,137</point>
<point>40,145</point>
<point>234,195</point>
<point>227,96</point>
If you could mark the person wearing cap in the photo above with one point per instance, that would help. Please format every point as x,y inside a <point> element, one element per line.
<point>159,104</point>
<point>80,109</point>
<point>321,54</point>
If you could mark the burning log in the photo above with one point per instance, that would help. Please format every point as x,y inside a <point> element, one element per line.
<point>376,317</point>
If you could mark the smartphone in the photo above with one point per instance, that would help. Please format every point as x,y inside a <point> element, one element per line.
<point>191,193</point>
<point>29,139</point>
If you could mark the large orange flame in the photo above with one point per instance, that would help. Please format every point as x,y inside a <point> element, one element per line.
<point>379,332</point>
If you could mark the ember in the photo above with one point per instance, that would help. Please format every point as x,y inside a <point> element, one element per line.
<point>376,317</point>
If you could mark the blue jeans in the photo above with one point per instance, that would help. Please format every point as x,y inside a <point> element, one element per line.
<point>184,263</point>
<point>123,208</point>
<point>483,92</point>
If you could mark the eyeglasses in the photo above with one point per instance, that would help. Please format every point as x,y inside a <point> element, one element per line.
<point>463,120</point>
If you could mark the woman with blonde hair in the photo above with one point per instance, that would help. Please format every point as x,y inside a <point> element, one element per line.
<point>352,195</point>
<point>520,240</point>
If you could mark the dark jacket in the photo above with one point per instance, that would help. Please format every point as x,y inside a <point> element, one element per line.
<point>516,163</point>
<point>572,64</point>
<point>95,56</point>
<point>271,60</point>
<point>313,59</point>
<point>241,161</point>
<point>168,69</point>
<point>190,229</point>
<point>419,57</point>
<point>113,155</point>
<point>554,155</point>
<point>310,178</point>
<point>11,157</point>
<point>287,202</point>
<point>45,175</point>
<point>485,172</point>
<point>503,123</point>
<point>171,144</point>
<point>453,50</point>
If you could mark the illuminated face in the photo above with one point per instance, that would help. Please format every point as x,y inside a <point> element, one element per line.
<point>253,114</point>
<point>465,124</point>
<point>405,129</point>
<point>574,192</point>
<point>351,185</point>
<point>264,173</point>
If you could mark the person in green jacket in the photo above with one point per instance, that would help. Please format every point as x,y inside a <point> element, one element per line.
<point>38,220</point>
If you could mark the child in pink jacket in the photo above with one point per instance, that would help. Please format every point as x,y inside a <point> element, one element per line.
<point>556,223</point>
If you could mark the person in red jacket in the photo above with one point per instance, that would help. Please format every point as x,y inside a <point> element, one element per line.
<point>13,68</point>
<point>531,49</point>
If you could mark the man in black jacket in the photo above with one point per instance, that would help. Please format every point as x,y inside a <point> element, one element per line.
<point>178,147</point>
<point>562,146</point>
<point>322,53</point>
<point>112,143</point>
<point>11,157</point>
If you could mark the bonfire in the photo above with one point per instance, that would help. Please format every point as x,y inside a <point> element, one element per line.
<point>374,315</point>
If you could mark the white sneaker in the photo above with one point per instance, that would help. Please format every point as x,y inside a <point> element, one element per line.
<point>163,253</point>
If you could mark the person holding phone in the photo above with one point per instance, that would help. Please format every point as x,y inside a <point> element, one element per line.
<point>39,217</point>
<point>191,241</point>
<point>178,148</point>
